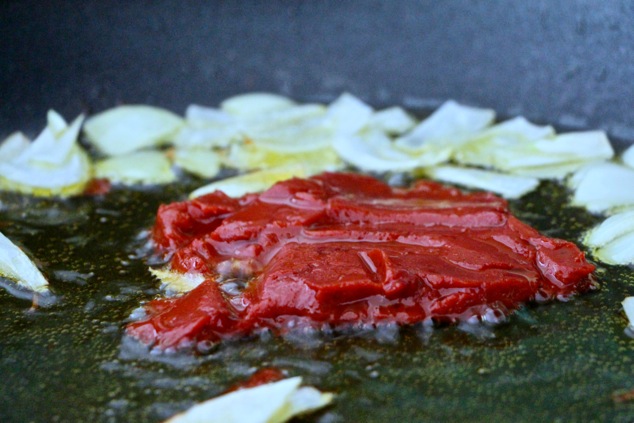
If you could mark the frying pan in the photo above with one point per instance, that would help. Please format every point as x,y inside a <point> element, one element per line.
<point>566,63</point>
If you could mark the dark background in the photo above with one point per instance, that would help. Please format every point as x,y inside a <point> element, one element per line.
<point>570,63</point>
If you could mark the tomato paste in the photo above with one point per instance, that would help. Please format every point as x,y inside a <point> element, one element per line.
<point>343,250</point>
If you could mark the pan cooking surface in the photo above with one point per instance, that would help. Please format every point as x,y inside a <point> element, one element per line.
<point>69,362</point>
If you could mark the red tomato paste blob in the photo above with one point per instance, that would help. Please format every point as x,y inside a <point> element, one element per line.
<point>345,249</point>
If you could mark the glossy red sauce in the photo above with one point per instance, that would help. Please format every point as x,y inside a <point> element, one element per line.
<point>97,186</point>
<point>345,250</point>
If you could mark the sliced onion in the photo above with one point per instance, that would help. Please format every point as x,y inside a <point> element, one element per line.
<point>207,116</point>
<point>452,124</point>
<point>251,156</point>
<point>13,145</point>
<point>54,144</point>
<point>393,120</point>
<point>617,251</point>
<point>557,171</point>
<point>139,168</point>
<point>53,164</point>
<point>209,137</point>
<point>17,267</point>
<point>603,187</point>
<point>521,129</point>
<point>509,186</point>
<point>545,157</point>
<point>302,137</point>
<point>610,229</point>
<point>255,103</point>
<point>260,124</point>
<point>258,181</point>
<point>176,282</point>
<point>375,152</point>
<point>125,129</point>
<point>348,114</point>
<point>198,161</point>
<point>275,402</point>
<point>564,148</point>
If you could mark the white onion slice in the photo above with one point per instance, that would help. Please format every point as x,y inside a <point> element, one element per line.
<point>452,124</point>
<point>255,103</point>
<point>520,128</point>
<point>513,153</point>
<point>603,187</point>
<point>139,168</point>
<point>209,137</point>
<point>17,267</point>
<point>617,251</point>
<point>53,164</point>
<point>275,402</point>
<point>251,156</point>
<point>301,137</point>
<point>557,171</point>
<point>348,114</point>
<point>375,152</point>
<point>257,181</point>
<point>509,186</point>
<point>13,145</point>
<point>258,125</point>
<point>198,161</point>
<point>125,129</point>
<point>176,282</point>
<point>393,120</point>
<point>610,229</point>
<point>628,307</point>
<point>207,116</point>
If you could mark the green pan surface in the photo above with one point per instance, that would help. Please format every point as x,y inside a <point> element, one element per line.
<point>70,362</point>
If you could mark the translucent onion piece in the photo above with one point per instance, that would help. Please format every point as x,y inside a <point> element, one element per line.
<point>557,171</point>
<point>509,186</point>
<point>209,137</point>
<point>258,125</point>
<point>53,164</point>
<point>125,129</point>
<point>375,152</point>
<point>258,181</point>
<point>17,267</point>
<point>139,168</point>
<point>207,116</point>
<point>546,157</point>
<point>617,251</point>
<point>55,122</point>
<point>176,282</point>
<point>452,124</point>
<point>348,114</point>
<point>564,148</point>
<point>54,144</point>
<point>197,161</point>
<point>251,156</point>
<point>393,120</point>
<point>13,145</point>
<point>628,307</point>
<point>520,128</point>
<point>297,138</point>
<point>255,104</point>
<point>603,187</point>
<point>275,402</point>
<point>628,157</point>
<point>610,229</point>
